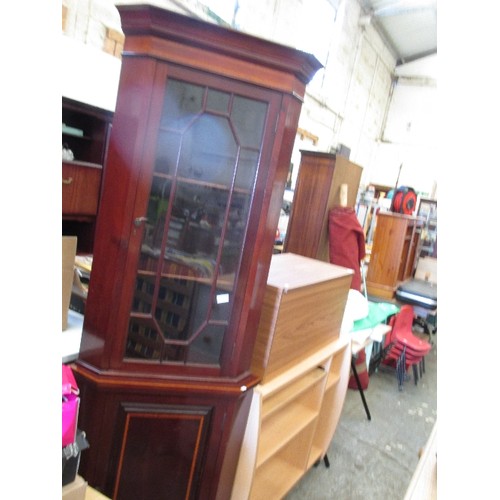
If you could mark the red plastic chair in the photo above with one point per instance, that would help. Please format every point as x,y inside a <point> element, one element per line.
<point>407,349</point>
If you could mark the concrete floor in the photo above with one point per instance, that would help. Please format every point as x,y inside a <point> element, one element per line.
<point>375,460</point>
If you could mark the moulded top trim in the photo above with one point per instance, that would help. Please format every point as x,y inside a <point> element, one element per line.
<point>151,20</point>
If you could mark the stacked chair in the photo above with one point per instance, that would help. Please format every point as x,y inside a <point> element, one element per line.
<point>404,348</point>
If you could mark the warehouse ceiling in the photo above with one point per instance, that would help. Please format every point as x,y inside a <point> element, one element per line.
<point>409,27</point>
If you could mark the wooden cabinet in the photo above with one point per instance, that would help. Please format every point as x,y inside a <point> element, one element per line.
<point>394,253</point>
<point>304,364</point>
<point>317,192</point>
<point>85,131</point>
<point>198,158</point>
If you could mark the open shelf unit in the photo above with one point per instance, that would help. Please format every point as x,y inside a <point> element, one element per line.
<point>293,422</point>
<point>85,131</point>
<point>289,413</point>
<point>332,403</point>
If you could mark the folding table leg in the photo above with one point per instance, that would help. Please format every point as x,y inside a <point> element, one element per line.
<point>360,389</point>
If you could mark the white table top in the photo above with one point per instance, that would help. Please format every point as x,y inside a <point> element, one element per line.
<point>363,338</point>
<point>71,337</point>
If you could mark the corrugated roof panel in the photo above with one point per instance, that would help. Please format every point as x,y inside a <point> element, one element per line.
<point>409,27</point>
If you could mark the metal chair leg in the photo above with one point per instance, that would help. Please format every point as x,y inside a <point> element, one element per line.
<point>401,369</point>
<point>415,374</point>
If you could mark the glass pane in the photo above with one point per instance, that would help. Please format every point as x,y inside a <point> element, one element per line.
<point>234,237</point>
<point>208,151</point>
<point>218,101</point>
<point>143,341</point>
<point>248,117</point>
<point>182,102</point>
<point>247,169</point>
<point>207,157</point>
<point>198,217</point>
<point>154,227</point>
<point>206,348</point>
<point>168,144</point>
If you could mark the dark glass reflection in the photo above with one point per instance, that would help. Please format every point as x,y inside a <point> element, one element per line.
<point>207,158</point>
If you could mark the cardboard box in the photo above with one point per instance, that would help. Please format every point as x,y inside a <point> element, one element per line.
<point>75,490</point>
<point>68,266</point>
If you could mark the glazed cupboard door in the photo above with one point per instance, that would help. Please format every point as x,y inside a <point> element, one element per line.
<point>194,216</point>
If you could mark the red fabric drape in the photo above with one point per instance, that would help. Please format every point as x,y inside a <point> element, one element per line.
<point>346,241</point>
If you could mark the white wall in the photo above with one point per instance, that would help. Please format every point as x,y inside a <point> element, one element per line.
<point>411,135</point>
<point>352,101</point>
<point>89,74</point>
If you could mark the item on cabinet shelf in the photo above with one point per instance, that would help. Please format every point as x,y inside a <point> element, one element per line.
<point>69,244</point>
<point>77,132</point>
<point>201,145</point>
<point>318,190</point>
<point>67,154</point>
<point>302,311</point>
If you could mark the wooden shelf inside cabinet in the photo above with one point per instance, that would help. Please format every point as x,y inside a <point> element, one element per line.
<point>279,478</point>
<point>85,130</point>
<point>298,411</point>
<point>288,412</point>
<point>332,403</point>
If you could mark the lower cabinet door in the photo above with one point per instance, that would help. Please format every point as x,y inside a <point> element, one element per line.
<point>161,452</point>
<point>160,439</point>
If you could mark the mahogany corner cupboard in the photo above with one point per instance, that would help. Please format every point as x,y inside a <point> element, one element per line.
<point>202,136</point>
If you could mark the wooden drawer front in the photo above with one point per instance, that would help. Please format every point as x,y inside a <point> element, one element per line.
<point>80,189</point>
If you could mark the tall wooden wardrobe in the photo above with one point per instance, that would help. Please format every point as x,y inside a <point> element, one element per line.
<point>320,178</point>
<point>198,159</point>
